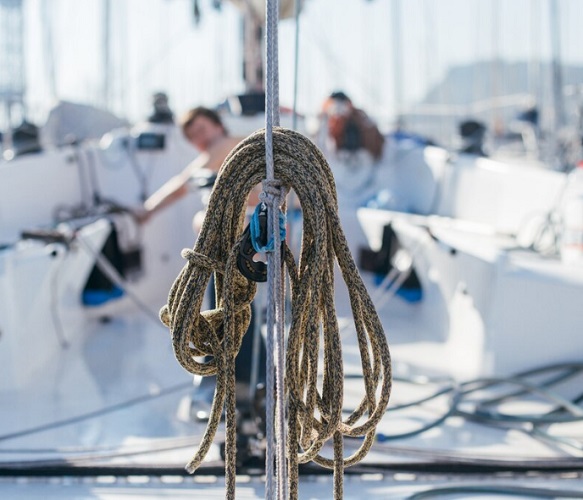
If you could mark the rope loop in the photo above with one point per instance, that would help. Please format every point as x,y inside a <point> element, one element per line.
<point>203,334</point>
<point>201,260</point>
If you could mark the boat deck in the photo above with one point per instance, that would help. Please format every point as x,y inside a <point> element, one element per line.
<point>116,398</point>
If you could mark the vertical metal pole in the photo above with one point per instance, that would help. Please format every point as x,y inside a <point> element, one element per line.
<point>252,55</point>
<point>558,115</point>
<point>397,60</point>
<point>11,59</point>
<point>48,49</point>
<point>495,73</point>
<point>555,27</point>
<point>105,99</point>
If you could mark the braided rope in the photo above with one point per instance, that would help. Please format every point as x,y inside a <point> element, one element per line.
<point>314,414</point>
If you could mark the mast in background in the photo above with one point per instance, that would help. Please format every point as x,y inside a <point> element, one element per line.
<point>496,121</point>
<point>397,61</point>
<point>12,84</point>
<point>106,83</point>
<point>48,52</point>
<point>558,151</point>
<point>253,49</point>
<point>253,25</point>
<point>557,74</point>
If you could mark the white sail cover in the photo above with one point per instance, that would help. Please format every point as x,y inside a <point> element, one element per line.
<point>69,121</point>
<point>286,7</point>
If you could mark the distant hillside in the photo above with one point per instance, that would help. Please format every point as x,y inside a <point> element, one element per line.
<point>492,92</point>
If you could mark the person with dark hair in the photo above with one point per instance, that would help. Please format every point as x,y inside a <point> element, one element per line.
<point>204,129</point>
<point>350,128</point>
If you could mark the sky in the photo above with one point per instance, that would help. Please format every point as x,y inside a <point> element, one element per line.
<point>344,44</point>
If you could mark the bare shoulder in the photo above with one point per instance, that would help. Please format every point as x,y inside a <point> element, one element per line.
<point>225,144</point>
<point>216,154</point>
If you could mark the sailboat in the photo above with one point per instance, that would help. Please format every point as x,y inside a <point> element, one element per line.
<point>486,356</point>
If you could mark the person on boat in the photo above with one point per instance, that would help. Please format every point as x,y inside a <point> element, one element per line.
<point>204,129</point>
<point>352,144</point>
<point>472,133</point>
<point>350,129</point>
<point>162,113</point>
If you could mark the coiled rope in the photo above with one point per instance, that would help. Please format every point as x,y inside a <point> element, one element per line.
<point>314,410</point>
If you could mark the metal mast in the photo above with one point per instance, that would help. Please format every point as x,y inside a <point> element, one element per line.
<point>11,61</point>
<point>397,61</point>
<point>107,70</point>
<point>253,49</point>
<point>557,75</point>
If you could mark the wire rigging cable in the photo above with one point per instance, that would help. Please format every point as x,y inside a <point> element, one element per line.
<point>314,411</point>
<point>274,194</point>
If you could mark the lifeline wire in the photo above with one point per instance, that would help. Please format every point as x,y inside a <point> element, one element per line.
<point>314,410</point>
